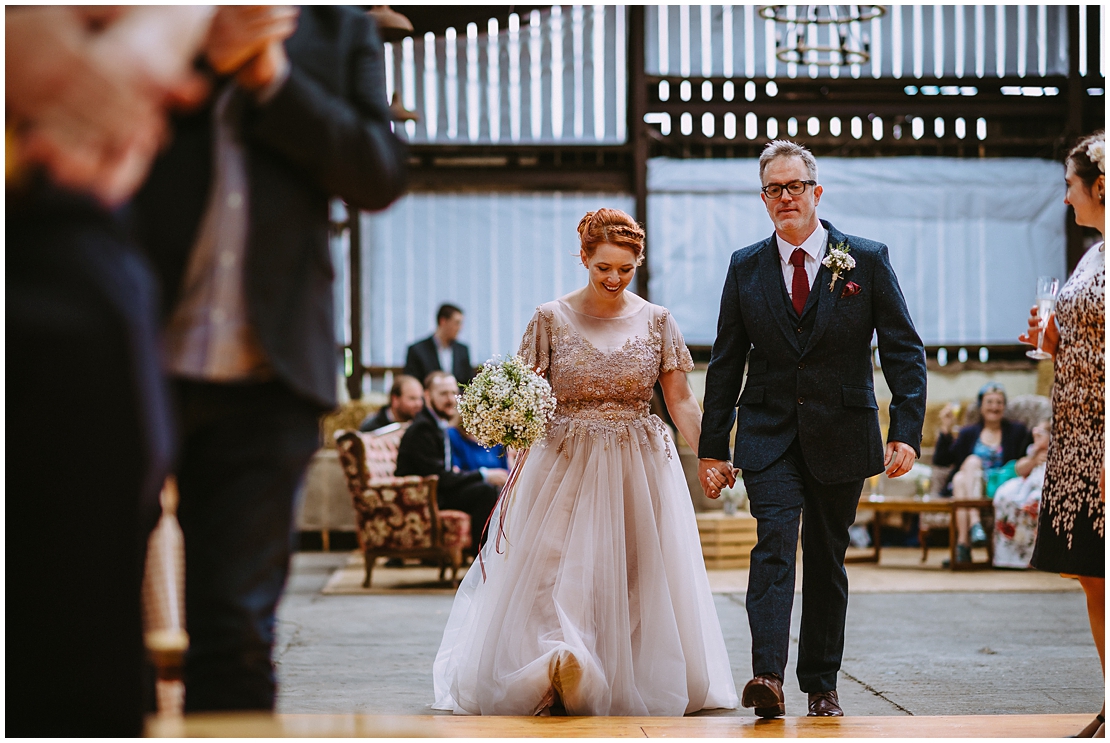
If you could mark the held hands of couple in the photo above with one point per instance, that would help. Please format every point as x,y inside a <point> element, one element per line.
<point>714,475</point>
<point>1051,332</point>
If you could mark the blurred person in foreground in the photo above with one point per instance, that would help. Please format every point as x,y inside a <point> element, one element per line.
<point>406,399</point>
<point>235,219</point>
<point>88,90</point>
<point>87,93</point>
<point>441,351</point>
<point>425,449</point>
<point>1071,536</point>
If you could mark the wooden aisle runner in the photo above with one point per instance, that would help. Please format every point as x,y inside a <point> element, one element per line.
<point>446,726</point>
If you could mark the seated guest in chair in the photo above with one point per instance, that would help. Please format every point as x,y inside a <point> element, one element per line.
<point>406,399</point>
<point>1017,503</point>
<point>468,454</point>
<point>441,351</point>
<point>425,449</point>
<point>974,453</point>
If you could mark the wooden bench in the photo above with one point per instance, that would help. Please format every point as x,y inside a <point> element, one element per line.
<point>926,504</point>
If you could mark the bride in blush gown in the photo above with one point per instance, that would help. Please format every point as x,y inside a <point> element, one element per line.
<point>598,600</point>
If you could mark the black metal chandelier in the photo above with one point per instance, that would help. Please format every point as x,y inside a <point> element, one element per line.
<point>847,45</point>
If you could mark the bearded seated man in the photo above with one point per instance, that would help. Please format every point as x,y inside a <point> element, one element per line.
<point>425,450</point>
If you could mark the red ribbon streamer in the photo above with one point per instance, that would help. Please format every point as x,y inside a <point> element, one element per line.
<point>510,483</point>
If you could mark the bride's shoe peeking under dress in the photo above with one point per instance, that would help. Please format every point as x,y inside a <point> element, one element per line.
<point>599,600</point>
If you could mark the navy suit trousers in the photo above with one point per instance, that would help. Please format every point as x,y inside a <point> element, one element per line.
<point>245,448</point>
<point>88,446</point>
<point>779,496</point>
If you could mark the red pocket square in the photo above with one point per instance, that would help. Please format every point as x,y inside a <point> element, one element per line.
<point>851,289</point>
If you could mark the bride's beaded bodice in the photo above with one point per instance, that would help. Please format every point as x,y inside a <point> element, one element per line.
<point>603,370</point>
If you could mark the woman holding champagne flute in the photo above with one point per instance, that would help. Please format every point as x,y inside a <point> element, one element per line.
<point>1070,532</point>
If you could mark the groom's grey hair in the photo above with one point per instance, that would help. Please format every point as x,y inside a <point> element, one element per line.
<point>785,148</point>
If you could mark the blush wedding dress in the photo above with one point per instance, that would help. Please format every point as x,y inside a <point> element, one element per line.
<point>598,598</point>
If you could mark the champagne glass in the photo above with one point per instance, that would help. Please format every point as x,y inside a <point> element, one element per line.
<point>1047,287</point>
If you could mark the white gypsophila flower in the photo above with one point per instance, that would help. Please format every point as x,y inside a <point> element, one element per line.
<point>1096,151</point>
<point>507,403</point>
<point>838,261</point>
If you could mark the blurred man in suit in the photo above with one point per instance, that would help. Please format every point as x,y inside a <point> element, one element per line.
<point>441,351</point>
<point>425,450</point>
<point>235,218</point>
<point>88,90</point>
<point>406,399</point>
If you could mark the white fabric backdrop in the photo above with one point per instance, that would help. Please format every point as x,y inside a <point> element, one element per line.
<point>967,238</point>
<point>498,256</point>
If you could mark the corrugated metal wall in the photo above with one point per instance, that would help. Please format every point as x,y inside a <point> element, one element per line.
<point>498,256</point>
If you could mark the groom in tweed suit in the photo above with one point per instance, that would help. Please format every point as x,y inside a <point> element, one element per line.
<point>807,421</point>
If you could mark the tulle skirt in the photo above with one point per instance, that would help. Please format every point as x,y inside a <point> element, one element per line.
<point>598,596</point>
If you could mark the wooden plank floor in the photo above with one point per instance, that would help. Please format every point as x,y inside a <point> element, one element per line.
<point>446,726</point>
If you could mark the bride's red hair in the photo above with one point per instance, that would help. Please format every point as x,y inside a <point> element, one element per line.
<point>614,227</point>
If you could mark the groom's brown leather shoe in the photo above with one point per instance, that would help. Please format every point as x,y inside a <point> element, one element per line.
<point>764,692</point>
<point>824,704</point>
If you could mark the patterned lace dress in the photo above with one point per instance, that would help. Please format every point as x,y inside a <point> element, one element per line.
<point>1070,532</point>
<point>600,598</point>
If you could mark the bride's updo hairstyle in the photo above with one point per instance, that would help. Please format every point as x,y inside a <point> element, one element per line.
<point>614,227</point>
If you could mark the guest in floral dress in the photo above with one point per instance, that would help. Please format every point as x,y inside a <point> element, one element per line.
<point>1071,533</point>
<point>1016,505</point>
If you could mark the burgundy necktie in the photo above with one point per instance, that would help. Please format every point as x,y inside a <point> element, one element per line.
<point>800,285</point>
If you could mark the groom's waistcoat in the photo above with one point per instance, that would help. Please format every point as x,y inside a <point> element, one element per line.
<point>810,377</point>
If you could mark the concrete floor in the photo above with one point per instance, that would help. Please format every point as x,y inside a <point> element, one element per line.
<point>911,654</point>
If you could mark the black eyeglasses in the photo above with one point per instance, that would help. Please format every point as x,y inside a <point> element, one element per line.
<point>794,188</point>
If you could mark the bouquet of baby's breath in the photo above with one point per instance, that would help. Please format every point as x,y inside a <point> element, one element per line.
<point>507,404</point>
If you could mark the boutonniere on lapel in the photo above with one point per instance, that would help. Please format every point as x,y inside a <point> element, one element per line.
<point>838,261</point>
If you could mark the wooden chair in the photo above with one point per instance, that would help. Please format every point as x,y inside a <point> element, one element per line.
<point>398,516</point>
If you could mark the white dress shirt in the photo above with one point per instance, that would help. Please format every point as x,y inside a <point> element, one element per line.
<point>209,335</point>
<point>446,356</point>
<point>814,246</point>
<point>443,426</point>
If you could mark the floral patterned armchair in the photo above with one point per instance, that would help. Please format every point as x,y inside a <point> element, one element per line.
<point>398,516</point>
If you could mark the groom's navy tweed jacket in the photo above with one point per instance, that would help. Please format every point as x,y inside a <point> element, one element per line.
<point>811,377</point>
